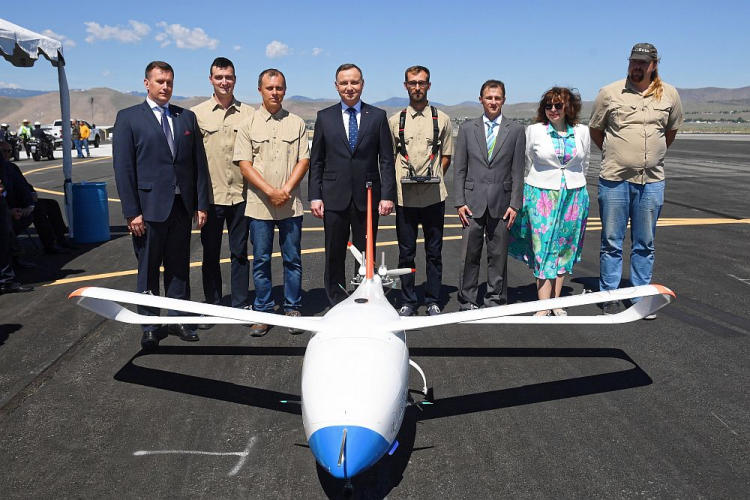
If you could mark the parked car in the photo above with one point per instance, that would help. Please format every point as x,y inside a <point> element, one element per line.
<point>95,138</point>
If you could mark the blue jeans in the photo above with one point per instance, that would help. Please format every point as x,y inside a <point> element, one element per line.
<point>620,201</point>
<point>78,145</point>
<point>290,241</point>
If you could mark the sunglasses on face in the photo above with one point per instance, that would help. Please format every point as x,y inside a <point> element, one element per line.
<point>557,105</point>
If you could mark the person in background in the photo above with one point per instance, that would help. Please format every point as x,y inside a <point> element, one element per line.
<point>24,133</point>
<point>85,132</point>
<point>548,233</point>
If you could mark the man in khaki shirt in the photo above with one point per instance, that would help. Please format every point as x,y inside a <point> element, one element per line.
<point>422,153</point>
<point>218,119</point>
<point>633,122</point>
<point>273,154</point>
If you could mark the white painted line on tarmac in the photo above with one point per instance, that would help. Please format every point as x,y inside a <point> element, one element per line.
<point>244,454</point>
<point>744,280</point>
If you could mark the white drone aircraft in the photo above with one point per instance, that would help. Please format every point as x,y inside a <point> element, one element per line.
<point>359,347</point>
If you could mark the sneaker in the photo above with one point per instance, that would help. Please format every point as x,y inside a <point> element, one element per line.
<point>650,317</point>
<point>433,310</point>
<point>294,314</point>
<point>247,308</point>
<point>611,307</point>
<point>469,307</point>
<point>406,311</point>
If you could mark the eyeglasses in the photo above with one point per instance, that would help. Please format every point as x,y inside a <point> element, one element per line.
<point>557,105</point>
<point>414,84</point>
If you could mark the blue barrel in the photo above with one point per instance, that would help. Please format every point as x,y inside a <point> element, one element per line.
<point>90,212</point>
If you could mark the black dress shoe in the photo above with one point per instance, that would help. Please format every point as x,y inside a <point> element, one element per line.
<point>15,287</point>
<point>55,249</point>
<point>24,264</point>
<point>149,341</point>
<point>184,333</point>
<point>204,326</point>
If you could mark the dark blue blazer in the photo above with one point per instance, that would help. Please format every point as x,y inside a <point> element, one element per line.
<point>338,174</point>
<point>145,171</point>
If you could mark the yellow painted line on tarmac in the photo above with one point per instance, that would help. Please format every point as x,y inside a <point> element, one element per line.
<point>58,193</point>
<point>52,167</point>
<point>130,272</point>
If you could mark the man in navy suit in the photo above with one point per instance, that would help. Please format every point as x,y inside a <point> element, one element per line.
<point>351,146</point>
<point>162,178</point>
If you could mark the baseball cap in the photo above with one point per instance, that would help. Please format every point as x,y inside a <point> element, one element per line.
<point>643,52</point>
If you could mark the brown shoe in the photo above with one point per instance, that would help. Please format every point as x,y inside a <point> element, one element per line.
<point>294,314</point>
<point>258,330</point>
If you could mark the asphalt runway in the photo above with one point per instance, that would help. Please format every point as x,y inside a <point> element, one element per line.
<point>653,409</point>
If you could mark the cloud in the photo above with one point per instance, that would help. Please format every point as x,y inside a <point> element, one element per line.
<point>7,85</point>
<point>237,47</point>
<point>316,51</point>
<point>132,34</point>
<point>67,42</point>
<point>106,72</point>
<point>277,49</point>
<point>185,38</point>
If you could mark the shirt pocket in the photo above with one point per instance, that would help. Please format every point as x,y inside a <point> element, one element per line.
<point>261,145</point>
<point>209,131</point>
<point>290,142</point>
<point>662,110</point>
<point>625,114</point>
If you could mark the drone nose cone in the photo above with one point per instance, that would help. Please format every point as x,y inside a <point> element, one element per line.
<point>362,447</point>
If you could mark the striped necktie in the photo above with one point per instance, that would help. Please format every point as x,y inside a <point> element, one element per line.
<point>491,137</point>
<point>167,129</point>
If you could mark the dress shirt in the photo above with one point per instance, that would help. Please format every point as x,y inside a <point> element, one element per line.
<point>345,115</point>
<point>496,128</point>
<point>219,128</point>
<point>155,108</point>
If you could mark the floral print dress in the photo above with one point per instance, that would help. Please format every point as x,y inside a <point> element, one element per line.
<point>548,232</point>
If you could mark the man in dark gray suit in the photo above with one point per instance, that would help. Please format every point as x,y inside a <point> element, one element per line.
<point>488,186</point>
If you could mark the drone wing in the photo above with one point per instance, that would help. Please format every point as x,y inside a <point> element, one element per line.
<point>652,298</point>
<point>107,302</point>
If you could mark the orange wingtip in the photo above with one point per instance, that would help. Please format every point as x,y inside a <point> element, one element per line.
<point>664,290</point>
<point>348,244</point>
<point>79,292</point>
<point>413,270</point>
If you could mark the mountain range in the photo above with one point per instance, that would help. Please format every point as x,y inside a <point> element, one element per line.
<point>100,105</point>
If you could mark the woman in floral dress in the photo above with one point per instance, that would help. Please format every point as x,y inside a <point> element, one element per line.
<point>548,233</point>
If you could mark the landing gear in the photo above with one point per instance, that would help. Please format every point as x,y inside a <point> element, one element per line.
<point>427,392</point>
<point>348,489</point>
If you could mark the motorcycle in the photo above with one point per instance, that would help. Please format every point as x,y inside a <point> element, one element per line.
<point>15,145</point>
<point>44,147</point>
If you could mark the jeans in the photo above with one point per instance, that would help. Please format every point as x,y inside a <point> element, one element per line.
<point>78,145</point>
<point>620,201</point>
<point>84,144</point>
<point>290,241</point>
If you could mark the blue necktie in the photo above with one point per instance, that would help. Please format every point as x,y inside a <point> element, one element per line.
<point>353,131</point>
<point>167,129</point>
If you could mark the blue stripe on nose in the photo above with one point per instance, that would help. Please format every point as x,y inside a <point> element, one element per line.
<point>363,448</point>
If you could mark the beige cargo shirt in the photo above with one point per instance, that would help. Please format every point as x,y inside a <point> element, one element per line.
<point>219,129</point>
<point>275,144</point>
<point>418,136</point>
<point>634,128</point>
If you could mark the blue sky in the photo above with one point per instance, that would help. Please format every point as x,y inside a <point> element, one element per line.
<point>530,45</point>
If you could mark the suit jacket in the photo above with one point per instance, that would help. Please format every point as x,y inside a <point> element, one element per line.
<point>19,193</point>
<point>145,172</point>
<point>338,174</point>
<point>495,183</point>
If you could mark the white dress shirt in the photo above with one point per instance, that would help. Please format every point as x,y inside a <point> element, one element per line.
<point>543,167</point>
<point>155,108</point>
<point>345,114</point>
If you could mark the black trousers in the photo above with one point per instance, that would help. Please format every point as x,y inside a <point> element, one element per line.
<point>337,225</point>
<point>432,220</point>
<point>7,275</point>
<point>48,221</point>
<point>211,235</point>
<point>165,243</point>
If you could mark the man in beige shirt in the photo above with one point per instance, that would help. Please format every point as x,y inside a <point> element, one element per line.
<point>273,154</point>
<point>423,144</point>
<point>218,119</point>
<point>633,122</point>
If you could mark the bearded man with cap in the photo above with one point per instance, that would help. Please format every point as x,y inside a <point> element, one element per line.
<point>633,122</point>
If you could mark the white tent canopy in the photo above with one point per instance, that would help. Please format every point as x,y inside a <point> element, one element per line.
<point>22,48</point>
